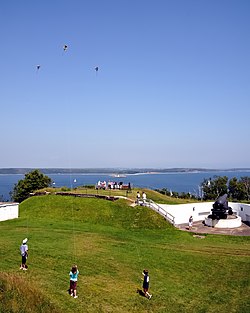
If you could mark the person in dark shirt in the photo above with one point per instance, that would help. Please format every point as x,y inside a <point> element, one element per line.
<point>145,284</point>
<point>138,197</point>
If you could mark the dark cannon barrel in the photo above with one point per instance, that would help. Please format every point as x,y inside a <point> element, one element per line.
<point>221,200</point>
<point>220,208</point>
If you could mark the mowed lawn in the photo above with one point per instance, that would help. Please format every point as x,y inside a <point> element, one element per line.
<point>112,243</point>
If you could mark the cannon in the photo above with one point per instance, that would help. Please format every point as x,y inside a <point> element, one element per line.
<point>221,209</point>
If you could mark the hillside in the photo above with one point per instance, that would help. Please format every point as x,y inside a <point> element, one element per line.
<point>112,243</point>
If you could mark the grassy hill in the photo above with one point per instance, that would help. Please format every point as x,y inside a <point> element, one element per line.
<point>151,194</point>
<point>112,243</point>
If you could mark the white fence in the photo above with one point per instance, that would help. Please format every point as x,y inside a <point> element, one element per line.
<point>156,207</point>
<point>8,211</point>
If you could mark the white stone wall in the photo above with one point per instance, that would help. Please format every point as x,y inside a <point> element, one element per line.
<point>224,223</point>
<point>8,211</point>
<point>199,211</point>
<point>242,210</point>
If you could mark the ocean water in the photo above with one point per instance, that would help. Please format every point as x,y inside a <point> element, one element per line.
<point>180,182</point>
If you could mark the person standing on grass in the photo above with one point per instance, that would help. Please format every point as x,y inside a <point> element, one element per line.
<point>24,254</point>
<point>145,284</point>
<point>138,197</point>
<point>73,274</point>
<point>144,197</point>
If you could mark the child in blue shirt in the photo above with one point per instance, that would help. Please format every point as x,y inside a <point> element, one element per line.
<point>73,274</point>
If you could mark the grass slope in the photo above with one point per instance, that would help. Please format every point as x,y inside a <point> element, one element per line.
<point>111,243</point>
<point>151,194</point>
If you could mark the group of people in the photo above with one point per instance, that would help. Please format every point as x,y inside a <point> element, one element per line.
<point>112,185</point>
<point>74,272</point>
<point>139,197</point>
<point>101,185</point>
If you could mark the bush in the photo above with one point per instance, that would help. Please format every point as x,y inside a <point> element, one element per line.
<point>32,181</point>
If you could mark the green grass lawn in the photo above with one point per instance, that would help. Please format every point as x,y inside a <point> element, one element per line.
<point>112,243</point>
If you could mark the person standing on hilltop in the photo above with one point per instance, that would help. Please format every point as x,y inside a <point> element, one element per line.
<point>138,197</point>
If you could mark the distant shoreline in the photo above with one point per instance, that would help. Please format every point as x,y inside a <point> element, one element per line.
<point>117,171</point>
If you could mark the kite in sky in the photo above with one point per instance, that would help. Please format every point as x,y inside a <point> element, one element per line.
<point>65,47</point>
<point>38,67</point>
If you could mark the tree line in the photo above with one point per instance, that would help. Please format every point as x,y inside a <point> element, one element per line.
<point>237,189</point>
<point>211,189</point>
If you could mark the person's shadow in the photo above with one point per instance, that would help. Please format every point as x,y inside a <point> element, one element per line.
<point>141,293</point>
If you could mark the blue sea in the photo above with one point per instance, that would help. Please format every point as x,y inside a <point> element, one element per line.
<point>180,182</point>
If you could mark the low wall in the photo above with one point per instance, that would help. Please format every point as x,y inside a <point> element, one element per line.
<point>201,210</point>
<point>8,211</point>
<point>242,210</point>
<point>224,223</point>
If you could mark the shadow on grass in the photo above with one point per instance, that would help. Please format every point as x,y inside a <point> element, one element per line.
<point>141,293</point>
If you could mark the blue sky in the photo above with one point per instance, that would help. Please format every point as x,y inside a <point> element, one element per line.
<point>172,90</point>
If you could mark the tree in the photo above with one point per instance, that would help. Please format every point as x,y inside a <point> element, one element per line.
<point>239,189</point>
<point>212,189</point>
<point>233,188</point>
<point>32,181</point>
<point>245,181</point>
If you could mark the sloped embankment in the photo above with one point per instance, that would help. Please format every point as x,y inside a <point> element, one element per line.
<point>17,295</point>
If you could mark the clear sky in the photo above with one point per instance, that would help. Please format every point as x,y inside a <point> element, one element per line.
<point>172,90</point>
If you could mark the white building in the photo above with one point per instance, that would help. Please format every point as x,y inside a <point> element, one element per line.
<point>180,213</point>
<point>8,210</point>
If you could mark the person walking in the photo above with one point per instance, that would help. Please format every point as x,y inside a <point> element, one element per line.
<point>24,254</point>
<point>73,274</point>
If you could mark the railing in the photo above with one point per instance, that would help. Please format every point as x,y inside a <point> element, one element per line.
<point>157,208</point>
